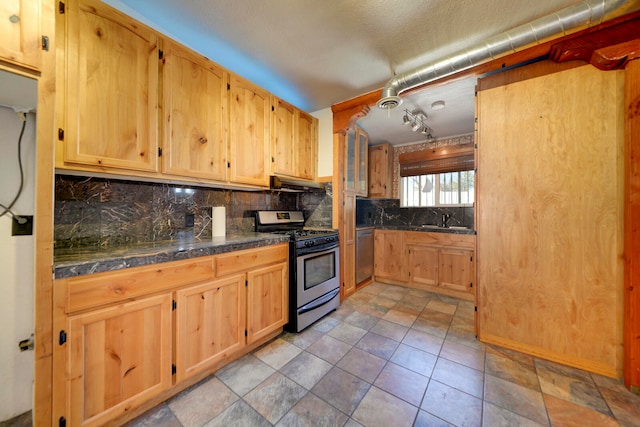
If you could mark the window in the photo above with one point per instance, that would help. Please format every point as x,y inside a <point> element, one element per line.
<point>440,189</point>
<point>438,177</point>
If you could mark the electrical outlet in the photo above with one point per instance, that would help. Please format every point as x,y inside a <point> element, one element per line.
<point>25,229</point>
<point>189,220</point>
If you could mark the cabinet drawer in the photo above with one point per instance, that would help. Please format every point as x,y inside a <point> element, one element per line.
<point>110,287</point>
<point>235,262</point>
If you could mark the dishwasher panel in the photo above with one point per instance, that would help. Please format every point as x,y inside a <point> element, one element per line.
<point>364,254</point>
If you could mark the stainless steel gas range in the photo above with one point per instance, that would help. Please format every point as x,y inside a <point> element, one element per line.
<point>314,266</point>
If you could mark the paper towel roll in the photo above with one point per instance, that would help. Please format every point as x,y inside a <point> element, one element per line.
<point>218,217</point>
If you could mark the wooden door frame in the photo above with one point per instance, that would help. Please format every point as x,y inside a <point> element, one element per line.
<point>611,45</point>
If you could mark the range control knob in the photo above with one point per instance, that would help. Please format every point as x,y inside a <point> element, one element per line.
<point>308,243</point>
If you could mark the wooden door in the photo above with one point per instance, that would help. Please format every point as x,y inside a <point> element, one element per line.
<point>456,269</point>
<point>348,248</point>
<point>20,32</point>
<point>119,357</point>
<point>306,145</point>
<point>423,265</point>
<point>389,260</point>
<point>195,115</point>
<point>283,138</point>
<point>544,210</point>
<point>210,324</point>
<point>267,300</point>
<point>249,132</point>
<point>111,79</point>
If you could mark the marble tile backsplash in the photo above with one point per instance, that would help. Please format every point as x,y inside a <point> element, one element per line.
<point>381,212</point>
<point>107,212</point>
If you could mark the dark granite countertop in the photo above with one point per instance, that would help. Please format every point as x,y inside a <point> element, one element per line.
<point>429,228</point>
<point>88,260</point>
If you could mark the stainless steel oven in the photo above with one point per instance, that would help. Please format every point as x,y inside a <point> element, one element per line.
<point>317,283</point>
<point>314,266</point>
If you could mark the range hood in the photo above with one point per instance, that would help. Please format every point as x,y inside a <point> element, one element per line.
<point>282,183</point>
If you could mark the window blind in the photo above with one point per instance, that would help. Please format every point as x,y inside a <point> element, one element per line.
<point>437,160</point>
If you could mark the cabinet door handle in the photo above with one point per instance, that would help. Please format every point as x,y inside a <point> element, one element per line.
<point>203,140</point>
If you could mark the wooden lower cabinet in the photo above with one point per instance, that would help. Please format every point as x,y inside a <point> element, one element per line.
<point>118,357</point>
<point>389,255</point>
<point>423,265</point>
<point>267,301</point>
<point>456,270</point>
<point>132,338</point>
<point>210,324</point>
<point>438,262</point>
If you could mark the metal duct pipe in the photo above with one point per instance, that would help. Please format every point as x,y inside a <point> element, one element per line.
<point>587,12</point>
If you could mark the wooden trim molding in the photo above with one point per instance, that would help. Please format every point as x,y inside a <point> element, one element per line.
<point>631,364</point>
<point>42,413</point>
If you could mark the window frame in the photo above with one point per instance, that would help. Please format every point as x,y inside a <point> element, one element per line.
<point>434,162</point>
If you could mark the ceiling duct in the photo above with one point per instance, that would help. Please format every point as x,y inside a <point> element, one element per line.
<point>586,13</point>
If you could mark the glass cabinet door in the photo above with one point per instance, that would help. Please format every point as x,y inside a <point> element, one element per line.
<point>363,149</point>
<point>350,161</point>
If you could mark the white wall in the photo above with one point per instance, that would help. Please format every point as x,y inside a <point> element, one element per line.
<point>325,142</point>
<point>16,265</point>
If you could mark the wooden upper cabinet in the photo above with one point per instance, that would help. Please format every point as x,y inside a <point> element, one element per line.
<point>307,145</point>
<point>380,171</point>
<point>356,151</point>
<point>250,108</point>
<point>20,33</point>
<point>350,151</point>
<point>195,115</point>
<point>294,138</point>
<point>283,138</point>
<point>111,79</point>
<point>362,161</point>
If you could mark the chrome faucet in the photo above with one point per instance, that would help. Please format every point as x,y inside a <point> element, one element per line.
<point>445,218</point>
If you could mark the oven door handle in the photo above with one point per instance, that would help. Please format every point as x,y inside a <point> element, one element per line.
<point>324,299</point>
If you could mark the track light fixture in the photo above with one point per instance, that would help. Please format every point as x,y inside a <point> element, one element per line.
<point>416,119</point>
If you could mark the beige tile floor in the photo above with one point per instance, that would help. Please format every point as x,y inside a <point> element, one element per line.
<point>392,356</point>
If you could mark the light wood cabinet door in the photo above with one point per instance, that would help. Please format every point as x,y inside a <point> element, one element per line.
<point>267,300</point>
<point>294,138</point>
<point>195,115</point>
<point>283,138</point>
<point>210,324</point>
<point>380,171</point>
<point>306,145</point>
<point>20,32</point>
<point>455,270</point>
<point>249,128</point>
<point>118,358</point>
<point>111,80</point>
<point>348,245</point>
<point>423,265</point>
<point>389,258</point>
